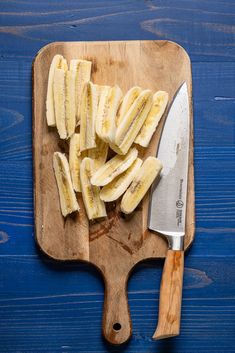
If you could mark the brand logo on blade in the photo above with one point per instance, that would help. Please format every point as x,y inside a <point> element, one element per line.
<point>179,205</point>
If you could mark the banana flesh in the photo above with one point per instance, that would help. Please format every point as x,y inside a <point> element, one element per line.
<point>70,105</point>
<point>59,100</point>
<point>57,62</point>
<point>109,102</point>
<point>140,184</point>
<point>88,114</point>
<point>75,159</point>
<point>115,148</point>
<point>68,201</point>
<point>102,109</point>
<point>99,153</point>
<point>95,207</point>
<point>133,121</point>
<point>83,75</point>
<point>100,89</point>
<point>107,119</point>
<point>114,167</point>
<point>160,100</point>
<point>118,186</point>
<point>127,102</point>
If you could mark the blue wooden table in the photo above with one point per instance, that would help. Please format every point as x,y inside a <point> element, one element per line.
<point>49,307</point>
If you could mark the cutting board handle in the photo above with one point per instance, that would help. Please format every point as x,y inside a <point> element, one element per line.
<point>117,327</point>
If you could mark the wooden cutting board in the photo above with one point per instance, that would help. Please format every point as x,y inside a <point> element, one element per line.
<point>116,244</point>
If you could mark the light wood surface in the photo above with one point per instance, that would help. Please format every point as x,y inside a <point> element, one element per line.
<point>170,296</point>
<point>114,245</point>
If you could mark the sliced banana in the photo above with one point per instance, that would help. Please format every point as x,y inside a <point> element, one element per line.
<point>118,186</point>
<point>107,119</point>
<point>100,89</point>
<point>57,63</point>
<point>59,99</point>
<point>133,121</point>
<point>99,153</point>
<point>88,112</point>
<point>95,207</point>
<point>102,109</point>
<point>127,102</point>
<point>70,104</point>
<point>83,75</point>
<point>114,167</point>
<point>109,102</point>
<point>160,100</point>
<point>140,184</point>
<point>75,159</point>
<point>68,201</point>
<point>115,148</point>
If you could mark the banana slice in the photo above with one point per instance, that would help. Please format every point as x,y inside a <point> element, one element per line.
<point>83,75</point>
<point>68,201</point>
<point>118,186</point>
<point>57,63</point>
<point>99,153</point>
<point>115,148</point>
<point>88,114</point>
<point>70,104</point>
<point>95,207</point>
<point>102,109</point>
<point>133,121</point>
<point>75,159</point>
<point>109,102</point>
<point>127,102</point>
<point>114,167</point>
<point>160,100</point>
<point>100,89</point>
<point>140,184</point>
<point>59,99</point>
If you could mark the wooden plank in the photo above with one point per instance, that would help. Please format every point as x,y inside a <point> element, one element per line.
<point>67,310</point>
<point>115,244</point>
<point>214,181</point>
<point>195,25</point>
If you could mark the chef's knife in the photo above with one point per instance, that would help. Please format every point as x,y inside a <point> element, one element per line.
<point>168,211</point>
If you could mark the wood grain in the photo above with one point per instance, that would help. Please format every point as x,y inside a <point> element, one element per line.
<point>45,316</point>
<point>149,64</point>
<point>170,296</point>
<point>206,31</point>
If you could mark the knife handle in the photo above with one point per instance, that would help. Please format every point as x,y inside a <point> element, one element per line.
<point>170,296</point>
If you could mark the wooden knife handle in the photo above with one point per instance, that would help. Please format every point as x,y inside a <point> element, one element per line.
<point>117,326</point>
<point>170,296</point>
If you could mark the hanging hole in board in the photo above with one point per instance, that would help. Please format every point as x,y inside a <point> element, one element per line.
<point>117,326</point>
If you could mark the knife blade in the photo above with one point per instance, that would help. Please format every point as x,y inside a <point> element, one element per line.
<point>168,210</point>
